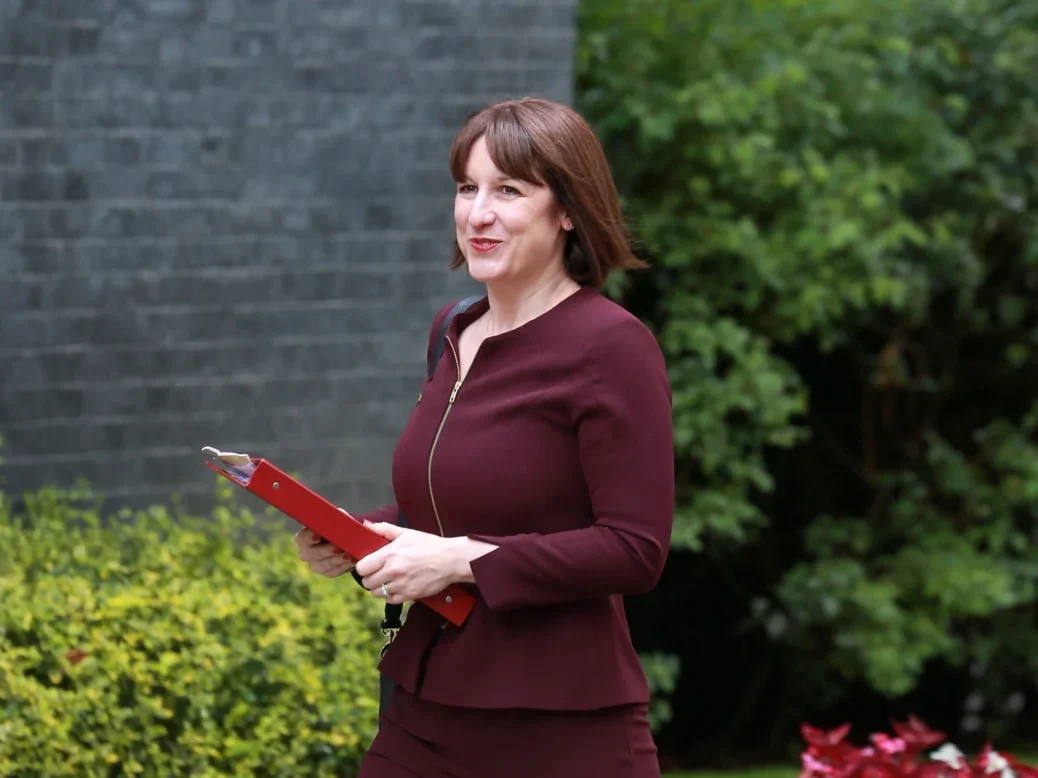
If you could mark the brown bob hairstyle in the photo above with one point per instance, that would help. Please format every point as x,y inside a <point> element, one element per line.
<point>549,144</point>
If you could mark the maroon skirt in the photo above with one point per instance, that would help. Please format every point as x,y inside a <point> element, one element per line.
<point>422,739</point>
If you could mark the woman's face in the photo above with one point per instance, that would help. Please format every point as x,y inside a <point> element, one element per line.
<point>509,230</point>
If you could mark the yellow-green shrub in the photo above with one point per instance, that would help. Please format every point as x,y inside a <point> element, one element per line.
<point>159,644</point>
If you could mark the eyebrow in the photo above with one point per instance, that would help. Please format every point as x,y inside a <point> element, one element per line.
<point>497,179</point>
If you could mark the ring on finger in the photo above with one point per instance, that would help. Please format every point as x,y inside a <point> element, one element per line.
<point>385,590</point>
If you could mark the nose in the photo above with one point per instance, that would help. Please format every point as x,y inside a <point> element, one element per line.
<point>481,215</point>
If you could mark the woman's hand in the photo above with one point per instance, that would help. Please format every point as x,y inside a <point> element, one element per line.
<point>417,564</point>
<point>322,556</point>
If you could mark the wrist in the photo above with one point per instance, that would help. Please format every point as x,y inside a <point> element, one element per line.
<point>462,550</point>
<point>458,568</point>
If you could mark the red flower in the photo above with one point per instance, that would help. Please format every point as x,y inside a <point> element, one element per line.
<point>877,766</point>
<point>819,737</point>
<point>983,759</point>
<point>917,736</point>
<point>829,744</point>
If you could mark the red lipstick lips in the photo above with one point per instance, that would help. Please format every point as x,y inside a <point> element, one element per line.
<point>483,244</point>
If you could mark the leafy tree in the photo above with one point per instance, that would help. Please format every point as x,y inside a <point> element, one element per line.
<point>840,201</point>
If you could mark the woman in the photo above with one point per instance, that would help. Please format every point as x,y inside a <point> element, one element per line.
<point>537,469</point>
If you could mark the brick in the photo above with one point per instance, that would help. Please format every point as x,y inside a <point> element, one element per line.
<point>8,152</point>
<point>109,79</point>
<point>85,151</point>
<point>197,111</point>
<point>73,187</point>
<point>18,77</point>
<point>434,13</point>
<point>259,11</point>
<point>61,11</point>
<point>25,113</point>
<point>220,11</point>
<point>211,41</point>
<point>35,152</point>
<point>41,258</point>
<point>29,404</point>
<point>106,113</point>
<point>180,10</point>
<point>83,41</point>
<point>11,228</point>
<point>254,44</point>
<point>131,40</point>
<point>29,39</point>
<point>339,16</point>
<point>29,187</point>
<point>122,151</point>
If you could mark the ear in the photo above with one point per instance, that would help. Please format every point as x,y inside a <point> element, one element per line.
<point>566,223</point>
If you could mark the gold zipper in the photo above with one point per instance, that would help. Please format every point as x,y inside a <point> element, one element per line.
<point>436,439</point>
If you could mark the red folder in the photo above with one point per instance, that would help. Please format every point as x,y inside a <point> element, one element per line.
<point>331,523</point>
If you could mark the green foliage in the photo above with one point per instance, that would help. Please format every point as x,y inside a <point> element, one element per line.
<point>154,644</point>
<point>840,200</point>
<point>662,672</point>
<point>924,583</point>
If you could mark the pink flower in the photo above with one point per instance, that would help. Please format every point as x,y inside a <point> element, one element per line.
<point>813,766</point>
<point>888,745</point>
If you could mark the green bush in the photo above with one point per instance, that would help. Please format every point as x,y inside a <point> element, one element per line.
<point>163,644</point>
<point>840,202</point>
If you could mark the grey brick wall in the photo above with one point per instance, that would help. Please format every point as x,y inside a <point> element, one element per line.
<point>228,221</point>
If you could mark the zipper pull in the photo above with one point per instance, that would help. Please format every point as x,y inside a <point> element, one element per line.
<point>457,386</point>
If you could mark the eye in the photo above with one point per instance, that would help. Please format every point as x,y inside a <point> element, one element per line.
<point>511,191</point>
<point>466,188</point>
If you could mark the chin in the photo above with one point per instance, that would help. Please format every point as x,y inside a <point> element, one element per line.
<point>485,270</point>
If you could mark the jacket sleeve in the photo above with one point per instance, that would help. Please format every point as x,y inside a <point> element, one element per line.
<point>625,438</point>
<point>389,514</point>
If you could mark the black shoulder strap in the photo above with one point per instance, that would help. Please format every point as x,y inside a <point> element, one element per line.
<point>459,307</point>
<point>393,612</point>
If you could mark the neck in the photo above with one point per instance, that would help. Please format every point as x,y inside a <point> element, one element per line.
<point>513,307</point>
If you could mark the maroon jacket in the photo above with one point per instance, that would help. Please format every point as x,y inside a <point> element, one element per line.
<point>558,447</point>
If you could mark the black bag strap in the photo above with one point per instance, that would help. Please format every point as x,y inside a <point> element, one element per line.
<point>459,307</point>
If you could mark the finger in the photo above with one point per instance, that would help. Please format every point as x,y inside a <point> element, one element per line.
<point>331,558</point>
<point>316,550</point>
<point>335,572</point>
<point>371,564</point>
<point>306,537</point>
<point>388,531</point>
<point>373,583</point>
<point>319,553</point>
<point>395,597</point>
<point>331,568</point>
